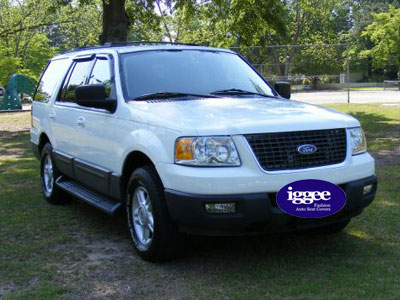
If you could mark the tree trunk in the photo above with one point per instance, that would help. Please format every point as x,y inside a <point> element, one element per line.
<point>115,21</point>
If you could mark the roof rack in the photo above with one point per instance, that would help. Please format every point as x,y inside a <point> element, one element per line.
<point>134,43</point>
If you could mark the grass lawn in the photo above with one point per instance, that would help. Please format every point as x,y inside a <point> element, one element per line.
<point>373,88</point>
<point>75,251</point>
<point>365,89</point>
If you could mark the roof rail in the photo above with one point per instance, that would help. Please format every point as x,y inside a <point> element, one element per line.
<point>134,43</point>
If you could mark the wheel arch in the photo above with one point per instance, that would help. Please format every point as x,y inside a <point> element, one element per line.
<point>43,140</point>
<point>134,160</point>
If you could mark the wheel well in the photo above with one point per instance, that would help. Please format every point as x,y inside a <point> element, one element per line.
<point>134,160</point>
<point>43,140</point>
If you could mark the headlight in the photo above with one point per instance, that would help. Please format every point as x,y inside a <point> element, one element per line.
<point>206,151</point>
<point>358,141</point>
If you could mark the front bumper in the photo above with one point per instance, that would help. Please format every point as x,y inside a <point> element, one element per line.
<point>257,213</point>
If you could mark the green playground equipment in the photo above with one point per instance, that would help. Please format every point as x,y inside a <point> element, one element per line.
<point>18,84</point>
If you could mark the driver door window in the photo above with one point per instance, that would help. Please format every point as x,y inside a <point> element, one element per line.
<point>77,77</point>
<point>101,74</point>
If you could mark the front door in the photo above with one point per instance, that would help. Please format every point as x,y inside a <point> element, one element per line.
<point>95,148</point>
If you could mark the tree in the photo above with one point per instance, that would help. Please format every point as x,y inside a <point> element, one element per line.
<point>324,25</point>
<point>384,33</point>
<point>241,24</point>
<point>32,31</point>
<point>24,46</point>
<point>226,23</point>
<point>115,21</point>
<point>84,29</point>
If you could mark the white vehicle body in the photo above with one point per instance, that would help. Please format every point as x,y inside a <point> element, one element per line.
<point>104,140</point>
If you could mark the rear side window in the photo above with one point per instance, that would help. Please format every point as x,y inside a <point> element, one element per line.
<point>101,74</point>
<point>52,75</point>
<point>77,76</point>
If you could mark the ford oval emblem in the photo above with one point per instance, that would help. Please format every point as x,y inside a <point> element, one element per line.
<point>307,149</point>
<point>311,198</point>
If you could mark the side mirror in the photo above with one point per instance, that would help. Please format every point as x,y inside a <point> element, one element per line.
<point>283,89</point>
<point>94,95</point>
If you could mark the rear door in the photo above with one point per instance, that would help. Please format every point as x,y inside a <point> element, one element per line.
<point>65,113</point>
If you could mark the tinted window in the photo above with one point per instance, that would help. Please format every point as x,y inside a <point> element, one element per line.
<point>53,74</point>
<point>78,77</point>
<point>101,74</point>
<point>188,71</point>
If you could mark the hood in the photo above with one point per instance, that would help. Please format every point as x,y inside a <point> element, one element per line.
<point>230,116</point>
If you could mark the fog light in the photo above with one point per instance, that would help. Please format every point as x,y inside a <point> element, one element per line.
<point>220,208</point>
<point>368,189</point>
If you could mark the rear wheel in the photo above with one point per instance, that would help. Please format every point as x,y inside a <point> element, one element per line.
<point>153,234</point>
<point>49,174</point>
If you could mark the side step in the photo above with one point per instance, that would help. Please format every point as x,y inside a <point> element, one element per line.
<point>98,201</point>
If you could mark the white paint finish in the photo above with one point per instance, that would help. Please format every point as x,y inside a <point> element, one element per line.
<point>250,179</point>
<point>40,120</point>
<point>231,116</point>
<point>106,139</point>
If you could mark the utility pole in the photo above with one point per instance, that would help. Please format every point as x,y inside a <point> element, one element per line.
<point>287,68</point>
<point>348,72</point>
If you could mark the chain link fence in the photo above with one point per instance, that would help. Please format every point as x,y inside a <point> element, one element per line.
<point>324,73</point>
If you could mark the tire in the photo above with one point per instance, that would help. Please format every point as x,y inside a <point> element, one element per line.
<point>48,175</point>
<point>153,234</point>
<point>332,228</point>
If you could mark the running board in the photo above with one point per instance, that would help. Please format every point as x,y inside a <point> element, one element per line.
<point>92,198</point>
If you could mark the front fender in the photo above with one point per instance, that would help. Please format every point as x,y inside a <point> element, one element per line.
<point>156,143</point>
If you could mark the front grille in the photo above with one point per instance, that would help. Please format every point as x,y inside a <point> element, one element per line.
<point>278,151</point>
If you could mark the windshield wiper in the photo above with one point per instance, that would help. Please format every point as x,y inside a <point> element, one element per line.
<point>235,91</point>
<point>162,95</point>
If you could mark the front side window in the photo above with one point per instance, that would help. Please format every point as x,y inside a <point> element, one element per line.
<point>53,74</point>
<point>101,74</point>
<point>77,76</point>
<point>188,71</point>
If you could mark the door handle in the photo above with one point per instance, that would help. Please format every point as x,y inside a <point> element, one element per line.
<point>81,121</point>
<point>52,115</point>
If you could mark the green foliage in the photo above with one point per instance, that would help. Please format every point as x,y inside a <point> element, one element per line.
<point>24,48</point>
<point>245,23</point>
<point>32,31</point>
<point>81,28</point>
<point>384,33</point>
<point>318,23</point>
<point>225,23</point>
<point>145,22</point>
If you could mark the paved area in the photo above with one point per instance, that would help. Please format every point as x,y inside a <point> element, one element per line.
<point>355,97</point>
<point>322,97</point>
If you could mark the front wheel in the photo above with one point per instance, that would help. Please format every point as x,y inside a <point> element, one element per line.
<point>153,234</point>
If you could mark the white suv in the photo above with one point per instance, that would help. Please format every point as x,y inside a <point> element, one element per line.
<point>189,139</point>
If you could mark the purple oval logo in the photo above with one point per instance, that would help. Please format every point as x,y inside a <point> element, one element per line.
<point>311,198</point>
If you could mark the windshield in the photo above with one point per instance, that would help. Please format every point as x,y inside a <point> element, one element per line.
<point>188,71</point>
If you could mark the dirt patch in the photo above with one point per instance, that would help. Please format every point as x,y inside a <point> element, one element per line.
<point>6,287</point>
<point>112,269</point>
<point>14,144</point>
<point>8,129</point>
<point>387,157</point>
